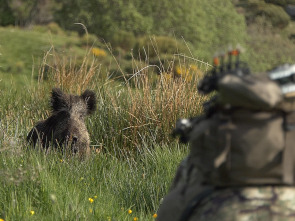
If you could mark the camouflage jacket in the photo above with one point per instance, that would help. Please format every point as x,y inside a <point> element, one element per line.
<point>246,204</point>
<point>269,203</point>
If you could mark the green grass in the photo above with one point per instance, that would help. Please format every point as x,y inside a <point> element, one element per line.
<point>57,188</point>
<point>131,130</point>
<point>22,52</point>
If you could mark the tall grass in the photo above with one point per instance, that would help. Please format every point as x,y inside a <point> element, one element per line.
<point>131,129</point>
<point>58,188</point>
<point>143,108</point>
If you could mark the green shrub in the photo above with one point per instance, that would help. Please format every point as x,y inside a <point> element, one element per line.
<point>6,14</point>
<point>123,39</point>
<point>40,28</point>
<point>153,47</point>
<point>205,24</point>
<point>54,28</point>
<point>280,2</point>
<point>19,66</point>
<point>267,47</point>
<point>90,40</point>
<point>275,14</point>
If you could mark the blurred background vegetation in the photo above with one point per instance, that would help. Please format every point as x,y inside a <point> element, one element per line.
<point>139,33</point>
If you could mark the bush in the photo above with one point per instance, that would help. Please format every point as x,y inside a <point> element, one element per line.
<point>275,14</point>
<point>19,66</point>
<point>267,47</point>
<point>280,2</point>
<point>123,39</point>
<point>6,15</point>
<point>40,28</point>
<point>154,47</point>
<point>90,40</point>
<point>54,28</point>
<point>205,24</point>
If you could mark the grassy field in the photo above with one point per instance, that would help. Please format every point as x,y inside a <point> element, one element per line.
<point>126,174</point>
<point>22,52</point>
<point>135,157</point>
<point>35,186</point>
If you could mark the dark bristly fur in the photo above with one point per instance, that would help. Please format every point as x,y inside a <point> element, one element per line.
<point>66,125</point>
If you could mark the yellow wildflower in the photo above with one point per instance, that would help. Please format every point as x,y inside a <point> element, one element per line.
<point>178,70</point>
<point>95,197</point>
<point>135,219</point>
<point>1,219</point>
<point>52,197</point>
<point>98,52</point>
<point>90,200</point>
<point>32,212</point>
<point>130,211</point>
<point>194,67</point>
<point>155,215</point>
<point>90,210</point>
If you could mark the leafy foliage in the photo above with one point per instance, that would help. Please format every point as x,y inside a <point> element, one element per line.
<point>267,47</point>
<point>101,17</point>
<point>206,25</point>
<point>275,14</point>
<point>27,12</point>
<point>6,14</point>
<point>281,2</point>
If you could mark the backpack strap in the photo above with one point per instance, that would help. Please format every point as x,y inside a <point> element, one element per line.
<point>288,161</point>
<point>288,154</point>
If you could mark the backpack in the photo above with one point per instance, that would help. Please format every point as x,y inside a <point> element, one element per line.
<point>243,141</point>
<point>246,136</point>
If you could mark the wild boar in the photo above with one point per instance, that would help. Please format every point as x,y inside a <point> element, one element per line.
<point>65,127</point>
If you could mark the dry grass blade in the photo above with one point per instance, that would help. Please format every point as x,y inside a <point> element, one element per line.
<point>65,72</point>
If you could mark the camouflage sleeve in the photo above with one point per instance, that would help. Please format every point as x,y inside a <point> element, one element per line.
<point>247,204</point>
<point>180,175</point>
<point>186,184</point>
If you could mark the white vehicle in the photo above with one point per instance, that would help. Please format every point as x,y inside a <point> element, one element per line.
<point>285,76</point>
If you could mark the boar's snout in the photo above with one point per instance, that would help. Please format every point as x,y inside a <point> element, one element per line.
<point>75,139</point>
<point>73,143</point>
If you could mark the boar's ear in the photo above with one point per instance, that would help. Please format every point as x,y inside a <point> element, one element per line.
<point>90,99</point>
<point>58,100</point>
